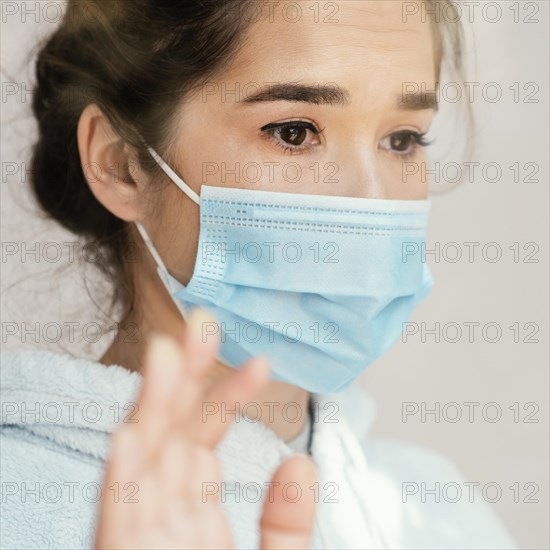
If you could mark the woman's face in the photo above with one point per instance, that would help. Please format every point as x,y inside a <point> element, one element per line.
<point>311,104</point>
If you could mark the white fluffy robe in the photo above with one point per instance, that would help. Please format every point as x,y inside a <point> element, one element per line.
<point>58,412</point>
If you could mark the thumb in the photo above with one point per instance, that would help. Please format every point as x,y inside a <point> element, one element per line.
<point>289,509</point>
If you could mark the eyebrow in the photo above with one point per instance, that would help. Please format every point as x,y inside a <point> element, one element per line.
<point>331,94</point>
<point>418,102</point>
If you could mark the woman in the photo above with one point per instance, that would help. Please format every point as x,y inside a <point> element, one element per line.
<point>240,164</point>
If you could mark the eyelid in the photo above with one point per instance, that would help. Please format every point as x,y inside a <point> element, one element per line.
<point>293,122</point>
<point>419,142</point>
<point>420,137</point>
<point>268,131</point>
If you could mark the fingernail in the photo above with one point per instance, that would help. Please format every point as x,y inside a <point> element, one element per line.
<point>167,362</point>
<point>202,324</point>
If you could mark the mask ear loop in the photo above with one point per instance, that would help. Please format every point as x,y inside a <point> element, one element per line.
<point>151,247</point>
<point>163,273</point>
<point>161,267</point>
<point>174,177</point>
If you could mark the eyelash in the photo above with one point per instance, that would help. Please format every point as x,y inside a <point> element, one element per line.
<point>270,130</point>
<point>419,138</point>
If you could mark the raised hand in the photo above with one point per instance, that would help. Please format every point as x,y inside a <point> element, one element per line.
<point>165,455</point>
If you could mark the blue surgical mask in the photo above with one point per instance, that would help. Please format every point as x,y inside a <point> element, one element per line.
<point>321,285</point>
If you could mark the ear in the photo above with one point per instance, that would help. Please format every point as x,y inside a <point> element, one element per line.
<point>110,166</point>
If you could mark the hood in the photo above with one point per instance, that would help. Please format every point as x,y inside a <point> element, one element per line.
<point>77,403</point>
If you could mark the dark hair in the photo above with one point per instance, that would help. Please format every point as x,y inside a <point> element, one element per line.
<point>136,59</point>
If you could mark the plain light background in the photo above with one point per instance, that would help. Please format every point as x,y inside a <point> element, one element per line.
<point>50,293</point>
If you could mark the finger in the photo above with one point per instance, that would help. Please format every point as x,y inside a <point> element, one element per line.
<point>201,341</point>
<point>164,369</point>
<point>200,347</point>
<point>288,515</point>
<point>226,399</point>
<point>122,471</point>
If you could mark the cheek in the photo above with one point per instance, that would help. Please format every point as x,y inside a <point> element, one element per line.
<point>177,219</point>
<point>404,179</point>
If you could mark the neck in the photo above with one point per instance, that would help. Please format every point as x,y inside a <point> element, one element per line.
<point>154,311</point>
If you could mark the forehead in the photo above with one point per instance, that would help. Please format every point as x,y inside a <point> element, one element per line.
<point>352,42</point>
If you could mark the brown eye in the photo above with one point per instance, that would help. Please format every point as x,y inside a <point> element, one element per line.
<point>293,135</point>
<point>402,141</point>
